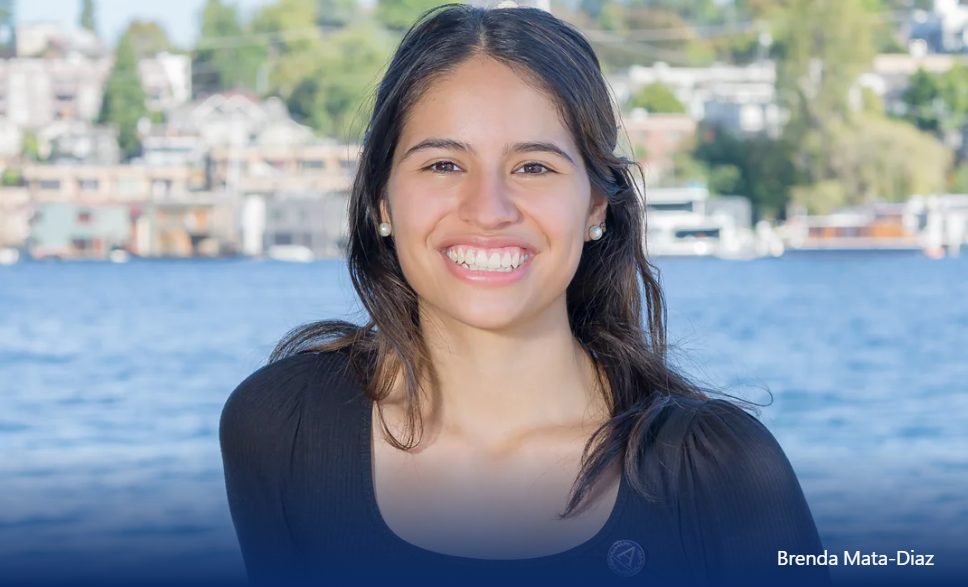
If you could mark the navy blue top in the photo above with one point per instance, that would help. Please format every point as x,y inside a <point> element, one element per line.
<point>296,449</point>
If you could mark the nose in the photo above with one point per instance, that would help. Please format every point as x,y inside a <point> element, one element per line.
<point>486,201</point>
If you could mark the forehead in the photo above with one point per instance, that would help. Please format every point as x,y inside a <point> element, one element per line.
<point>483,100</point>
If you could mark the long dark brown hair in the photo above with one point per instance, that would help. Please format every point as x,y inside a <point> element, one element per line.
<point>618,320</point>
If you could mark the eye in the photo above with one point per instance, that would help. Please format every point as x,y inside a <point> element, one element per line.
<point>536,166</point>
<point>442,167</point>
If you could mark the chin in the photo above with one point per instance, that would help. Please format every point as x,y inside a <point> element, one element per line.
<point>496,317</point>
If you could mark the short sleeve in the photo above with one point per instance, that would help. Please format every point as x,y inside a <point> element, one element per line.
<point>257,430</point>
<point>740,501</point>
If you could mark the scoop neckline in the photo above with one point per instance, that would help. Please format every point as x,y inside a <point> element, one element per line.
<point>587,546</point>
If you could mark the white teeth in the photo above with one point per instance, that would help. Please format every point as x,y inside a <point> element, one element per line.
<point>479,260</point>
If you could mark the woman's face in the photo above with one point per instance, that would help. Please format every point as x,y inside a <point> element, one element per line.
<point>486,173</point>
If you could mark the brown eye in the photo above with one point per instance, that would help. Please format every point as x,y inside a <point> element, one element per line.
<point>535,169</point>
<point>442,167</point>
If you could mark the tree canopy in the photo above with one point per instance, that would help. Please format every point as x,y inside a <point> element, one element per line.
<point>87,18</point>
<point>123,103</point>
<point>656,97</point>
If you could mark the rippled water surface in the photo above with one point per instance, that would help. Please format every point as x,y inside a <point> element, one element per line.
<point>112,377</point>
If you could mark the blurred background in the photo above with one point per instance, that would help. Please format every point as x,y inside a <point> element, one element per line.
<point>173,200</point>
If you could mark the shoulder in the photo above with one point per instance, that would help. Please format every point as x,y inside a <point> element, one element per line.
<point>727,435</point>
<point>705,446</point>
<point>274,396</point>
<point>719,443</point>
<point>736,494</point>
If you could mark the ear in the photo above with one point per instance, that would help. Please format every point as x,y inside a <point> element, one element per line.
<point>384,210</point>
<point>597,209</point>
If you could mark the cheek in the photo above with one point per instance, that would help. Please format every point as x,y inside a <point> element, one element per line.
<point>561,215</point>
<point>414,217</point>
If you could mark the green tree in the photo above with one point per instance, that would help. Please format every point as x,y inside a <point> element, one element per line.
<point>958,180</point>
<point>227,56</point>
<point>823,46</point>
<point>871,102</point>
<point>297,44</point>
<point>697,11</point>
<point>656,97</point>
<point>875,158</point>
<point>593,8</point>
<point>938,103</point>
<point>758,167</point>
<point>399,15</point>
<point>148,38</point>
<point>123,103</point>
<point>87,18</point>
<point>922,99</point>
<point>637,34</point>
<point>12,177</point>
<point>726,180</point>
<point>30,148</point>
<point>332,98</point>
<point>336,12</point>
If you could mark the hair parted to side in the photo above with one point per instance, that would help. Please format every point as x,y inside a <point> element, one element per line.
<point>619,321</point>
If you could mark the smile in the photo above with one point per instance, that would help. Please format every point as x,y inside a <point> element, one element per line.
<point>487,266</point>
<point>501,260</point>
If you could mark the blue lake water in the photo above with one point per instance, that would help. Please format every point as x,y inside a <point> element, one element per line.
<point>112,378</point>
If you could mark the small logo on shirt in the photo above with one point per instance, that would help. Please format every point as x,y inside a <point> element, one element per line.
<point>626,558</point>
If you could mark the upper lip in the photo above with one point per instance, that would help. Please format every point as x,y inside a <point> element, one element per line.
<point>486,242</point>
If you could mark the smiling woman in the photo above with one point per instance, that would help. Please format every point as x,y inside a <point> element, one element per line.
<point>514,357</point>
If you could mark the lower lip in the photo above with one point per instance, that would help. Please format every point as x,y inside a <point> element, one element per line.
<point>487,277</point>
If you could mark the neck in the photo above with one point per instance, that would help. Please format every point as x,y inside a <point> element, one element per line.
<point>499,385</point>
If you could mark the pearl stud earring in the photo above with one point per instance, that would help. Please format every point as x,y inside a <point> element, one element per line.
<point>596,231</point>
<point>385,229</point>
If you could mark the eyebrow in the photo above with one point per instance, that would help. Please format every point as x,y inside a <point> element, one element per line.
<point>528,147</point>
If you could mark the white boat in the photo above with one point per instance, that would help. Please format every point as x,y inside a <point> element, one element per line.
<point>9,256</point>
<point>119,256</point>
<point>686,222</point>
<point>875,227</point>
<point>291,253</point>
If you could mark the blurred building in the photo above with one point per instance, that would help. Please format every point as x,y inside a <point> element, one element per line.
<point>316,223</point>
<point>320,167</point>
<point>739,99</point>
<point>167,81</point>
<point>221,138</point>
<point>8,29</point>
<point>37,91</point>
<point>88,184</point>
<point>890,75</point>
<point>15,213</point>
<point>942,221</point>
<point>11,141</point>
<point>54,40</point>
<point>876,226</point>
<point>78,141</point>
<point>686,221</point>
<point>59,74</point>
<point>78,231</point>
<point>542,4</point>
<point>227,174</point>
<point>943,29</point>
<point>190,152</point>
<point>235,119</point>
<point>201,224</point>
<point>656,139</point>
